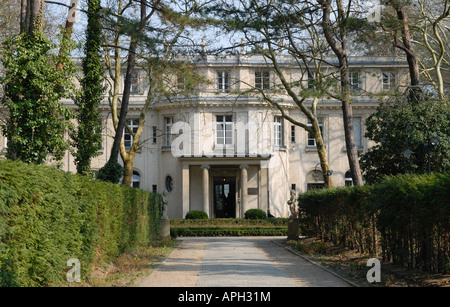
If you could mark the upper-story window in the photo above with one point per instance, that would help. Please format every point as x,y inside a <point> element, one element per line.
<point>357,130</point>
<point>168,121</point>
<point>262,79</point>
<point>224,130</point>
<point>311,139</point>
<point>223,81</point>
<point>312,79</point>
<point>128,137</point>
<point>389,81</point>
<point>137,83</point>
<point>355,82</point>
<point>278,131</point>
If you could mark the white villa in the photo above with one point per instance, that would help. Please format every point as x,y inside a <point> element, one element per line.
<point>224,152</point>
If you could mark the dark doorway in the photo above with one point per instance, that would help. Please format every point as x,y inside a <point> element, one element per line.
<point>225,197</point>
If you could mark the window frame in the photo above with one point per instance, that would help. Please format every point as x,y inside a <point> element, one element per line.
<point>278,131</point>
<point>223,81</point>
<point>226,124</point>
<point>168,123</point>
<point>355,87</point>
<point>127,136</point>
<point>262,79</point>
<point>392,81</point>
<point>310,137</point>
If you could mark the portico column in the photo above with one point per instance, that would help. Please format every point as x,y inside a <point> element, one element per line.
<point>185,190</point>
<point>205,182</point>
<point>244,178</point>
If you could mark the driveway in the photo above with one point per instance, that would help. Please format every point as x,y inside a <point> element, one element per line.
<point>238,262</point>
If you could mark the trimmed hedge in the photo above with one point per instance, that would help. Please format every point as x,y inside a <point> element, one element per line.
<point>48,216</point>
<point>196,215</point>
<point>255,214</point>
<point>406,218</point>
<point>227,231</point>
<point>229,222</point>
<point>229,227</point>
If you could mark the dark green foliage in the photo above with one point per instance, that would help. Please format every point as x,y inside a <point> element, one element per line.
<point>111,172</point>
<point>87,138</point>
<point>48,216</point>
<point>387,127</point>
<point>196,215</point>
<point>227,231</point>
<point>404,218</point>
<point>255,214</point>
<point>33,90</point>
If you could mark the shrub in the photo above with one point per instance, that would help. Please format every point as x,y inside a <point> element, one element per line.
<point>255,214</point>
<point>196,215</point>
<point>48,217</point>
<point>404,218</point>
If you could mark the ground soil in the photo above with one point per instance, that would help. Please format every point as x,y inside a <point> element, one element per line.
<point>353,266</point>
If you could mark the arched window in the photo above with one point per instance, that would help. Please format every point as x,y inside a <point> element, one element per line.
<point>315,180</point>
<point>348,179</point>
<point>136,180</point>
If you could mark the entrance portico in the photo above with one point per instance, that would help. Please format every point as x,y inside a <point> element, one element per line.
<point>224,187</point>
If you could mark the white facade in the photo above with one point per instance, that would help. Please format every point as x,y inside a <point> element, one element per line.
<point>220,142</point>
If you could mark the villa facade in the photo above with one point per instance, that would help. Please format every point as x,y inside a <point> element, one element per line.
<point>224,151</point>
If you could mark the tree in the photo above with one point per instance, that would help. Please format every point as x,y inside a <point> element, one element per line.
<point>87,137</point>
<point>33,88</point>
<point>336,34</point>
<point>273,29</point>
<point>387,127</point>
<point>152,49</point>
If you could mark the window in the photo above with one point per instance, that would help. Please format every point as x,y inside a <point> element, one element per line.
<point>312,79</point>
<point>292,134</point>
<point>278,131</point>
<point>348,179</point>
<point>223,81</point>
<point>224,130</point>
<point>262,80</point>
<point>136,180</point>
<point>169,184</point>
<point>355,82</point>
<point>357,131</point>
<point>311,139</point>
<point>168,121</point>
<point>389,83</point>
<point>154,188</point>
<point>128,137</point>
<point>154,134</point>
<point>136,84</point>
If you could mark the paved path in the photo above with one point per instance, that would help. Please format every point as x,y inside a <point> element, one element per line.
<point>238,262</point>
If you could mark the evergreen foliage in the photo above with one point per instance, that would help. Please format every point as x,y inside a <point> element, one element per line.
<point>87,138</point>
<point>33,90</point>
<point>48,217</point>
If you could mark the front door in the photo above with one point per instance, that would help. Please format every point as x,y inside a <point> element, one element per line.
<point>225,197</point>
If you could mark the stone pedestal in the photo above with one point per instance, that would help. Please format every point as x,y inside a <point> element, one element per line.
<point>293,225</point>
<point>164,228</point>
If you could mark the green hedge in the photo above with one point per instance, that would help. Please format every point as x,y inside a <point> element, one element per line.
<point>48,216</point>
<point>228,222</point>
<point>405,218</point>
<point>227,231</point>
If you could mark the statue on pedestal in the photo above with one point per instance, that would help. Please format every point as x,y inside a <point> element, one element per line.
<point>164,205</point>
<point>291,203</point>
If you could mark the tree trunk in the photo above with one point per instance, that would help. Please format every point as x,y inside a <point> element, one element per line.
<point>31,16</point>
<point>340,50</point>
<point>415,91</point>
